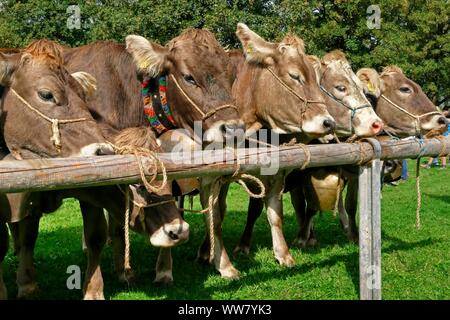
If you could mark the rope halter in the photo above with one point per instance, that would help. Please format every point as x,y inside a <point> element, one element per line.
<point>56,134</point>
<point>199,110</point>
<point>416,118</point>
<point>295,94</point>
<point>353,110</point>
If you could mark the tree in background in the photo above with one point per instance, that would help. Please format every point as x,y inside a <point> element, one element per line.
<point>413,34</point>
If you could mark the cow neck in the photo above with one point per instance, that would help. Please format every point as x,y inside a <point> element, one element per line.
<point>156,106</point>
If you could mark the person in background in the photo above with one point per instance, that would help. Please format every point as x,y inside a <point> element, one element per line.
<point>404,170</point>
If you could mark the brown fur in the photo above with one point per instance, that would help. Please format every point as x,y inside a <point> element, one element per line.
<point>140,137</point>
<point>293,40</point>
<point>391,69</point>
<point>47,51</point>
<point>335,55</point>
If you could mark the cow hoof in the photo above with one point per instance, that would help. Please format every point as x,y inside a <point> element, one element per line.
<point>127,277</point>
<point>354,238</point>
<point>286,261</point>
<point>203,258</point>
<point>94,296</point>
<point>163,282</point>
<point>28,291</point>
<point>243,249</point>
<point>230,273</point>
<point>300,243</point>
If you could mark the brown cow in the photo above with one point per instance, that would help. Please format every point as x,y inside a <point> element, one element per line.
<point>35,86</point>
<point>268,72</point>
<point>406,111</point>
<point>159,219</point>
<point>199,89</point>
<point>346,102</point>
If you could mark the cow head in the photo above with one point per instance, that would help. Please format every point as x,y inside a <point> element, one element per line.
<point>279,87</point>
<point>200,78</point>
<point>39,97</point>
<point>401,103</point>
<point>344,96</point>
<point>162,220</point>
<point>154,213</point>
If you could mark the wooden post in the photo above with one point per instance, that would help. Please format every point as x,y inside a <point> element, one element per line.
<point>370,231</point>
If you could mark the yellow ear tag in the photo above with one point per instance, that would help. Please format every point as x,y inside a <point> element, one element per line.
<point>249,49</point>
<point>370,86</point>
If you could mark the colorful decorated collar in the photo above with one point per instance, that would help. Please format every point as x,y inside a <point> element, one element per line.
<point>156,107</point>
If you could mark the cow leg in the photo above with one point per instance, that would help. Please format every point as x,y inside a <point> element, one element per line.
<point>95,232</point>
<point>274,203</point>
<point>351,203</point>
<point>26,234</point>
<point>117,237</point>
<point>4,237</point>
<point>305,220</point>
<point>164,275</point>
<point>255,208</point>
<point>221,259</point>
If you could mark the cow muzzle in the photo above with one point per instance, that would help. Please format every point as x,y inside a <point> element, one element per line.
<point>225,132</point>
<point>170,234</point>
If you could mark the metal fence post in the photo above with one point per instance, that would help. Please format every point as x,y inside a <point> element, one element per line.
<point>370,231</point>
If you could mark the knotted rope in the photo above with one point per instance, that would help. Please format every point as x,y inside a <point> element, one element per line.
<point>126,261</point>
<point>56,134</point>
<point>442,153</point>
<point>148,183</point>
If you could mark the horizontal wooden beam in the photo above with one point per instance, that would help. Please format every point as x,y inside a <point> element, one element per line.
<point>66,173</point>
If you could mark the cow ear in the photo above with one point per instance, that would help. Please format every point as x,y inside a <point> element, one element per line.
<point>87,82</point>
<point>7,66</point>
<point>256,49</point>
<point>150,58</point>
<point>371,80</point>
<point>317,66</point>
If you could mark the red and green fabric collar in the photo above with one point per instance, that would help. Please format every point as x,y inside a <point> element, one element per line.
<point>156,107</point>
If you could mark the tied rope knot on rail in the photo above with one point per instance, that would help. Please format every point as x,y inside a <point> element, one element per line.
<point>149,185</point>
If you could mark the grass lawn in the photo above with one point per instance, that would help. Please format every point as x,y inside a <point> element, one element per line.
<point>415,264</point>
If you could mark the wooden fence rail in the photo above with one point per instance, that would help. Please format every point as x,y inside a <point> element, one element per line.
<point>51,174</point>
<point>64,173</point>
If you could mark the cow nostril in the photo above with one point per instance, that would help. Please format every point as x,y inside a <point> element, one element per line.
<point>442,120</point>
<point>377,126</point>
<point>329,124</point>
<point>173,236</point>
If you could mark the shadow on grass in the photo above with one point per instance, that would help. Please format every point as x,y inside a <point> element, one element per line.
<point>443,198</point>
<point>60,248</point>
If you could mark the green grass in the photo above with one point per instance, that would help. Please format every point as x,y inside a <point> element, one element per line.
<point>415,264</point>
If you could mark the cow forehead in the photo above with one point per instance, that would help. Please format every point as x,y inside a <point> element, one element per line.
<point>199,59</point>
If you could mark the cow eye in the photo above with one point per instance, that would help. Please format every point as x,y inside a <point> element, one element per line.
<point>340,88</point>
<point>189,79</point>
<point>46,95</point>
<point>295,76</point>
<point>405,89</point>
